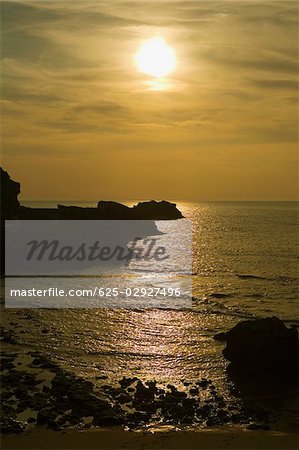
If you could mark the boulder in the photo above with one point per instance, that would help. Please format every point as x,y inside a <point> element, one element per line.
<point>264,349</point>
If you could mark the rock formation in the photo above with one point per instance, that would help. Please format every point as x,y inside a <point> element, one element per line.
<point>114,210</point>
<point>9,196</point>
<point>108,210</point>
<point>264,350</point>
<point>156,211</point>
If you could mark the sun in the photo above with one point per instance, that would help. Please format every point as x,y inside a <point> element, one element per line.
<point>156,58</point>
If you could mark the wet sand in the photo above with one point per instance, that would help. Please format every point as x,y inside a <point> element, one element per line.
<point>234,438</point>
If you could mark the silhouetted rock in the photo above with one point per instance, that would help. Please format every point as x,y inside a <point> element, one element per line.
<point>114,210</point>
<point>220,336</point>
<point>9,207</point>
<point>144,211</point>
<point>156,211</point>
<point>107,210</point>
<point>11,425</point>
<point>78,213</point>
<point>26,213</point>
<point>264,349</point>
<point>9,196</point>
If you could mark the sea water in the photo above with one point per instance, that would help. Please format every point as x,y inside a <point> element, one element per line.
<point>245,261</point>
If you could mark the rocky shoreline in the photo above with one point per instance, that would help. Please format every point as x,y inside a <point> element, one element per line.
<point>37,392</point>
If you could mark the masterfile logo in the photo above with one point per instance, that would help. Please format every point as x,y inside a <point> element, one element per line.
<point>141,249</point>
<point>74,264</point>
<point>79,247</point>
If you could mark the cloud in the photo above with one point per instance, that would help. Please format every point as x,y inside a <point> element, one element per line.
<point>292,85</point>
<point>69,79</point>
<point>104,107</point>
<point>18,16</point>
<point>243,62</point>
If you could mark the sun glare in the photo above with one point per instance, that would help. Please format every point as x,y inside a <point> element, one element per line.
<point>156,58</point>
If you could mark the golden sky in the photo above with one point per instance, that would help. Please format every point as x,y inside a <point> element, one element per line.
<point>81,122</point>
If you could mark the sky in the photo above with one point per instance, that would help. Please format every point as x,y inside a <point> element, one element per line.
<point>81,122</point>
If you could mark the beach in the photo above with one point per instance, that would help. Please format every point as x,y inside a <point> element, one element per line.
<point>235,439</point>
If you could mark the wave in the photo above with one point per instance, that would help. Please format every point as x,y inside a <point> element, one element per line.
<point>249,276</point>
<point>279,278</point>
<point>220,295</point>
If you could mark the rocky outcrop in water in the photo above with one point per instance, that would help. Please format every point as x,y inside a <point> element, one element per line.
<point>264,350</point>
<point>106,210</point>
<point>151,210</point>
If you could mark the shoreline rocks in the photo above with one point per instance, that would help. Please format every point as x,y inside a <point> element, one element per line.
<point>49,396</point>
<point>37,392</point>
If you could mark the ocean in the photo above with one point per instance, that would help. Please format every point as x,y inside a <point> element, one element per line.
<point>245,265</point>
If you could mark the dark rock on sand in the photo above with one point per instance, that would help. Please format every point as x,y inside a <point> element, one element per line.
<point>143,393</point>
<point>123,399</point>
<point>125,382</point>
<point>11,425</point>
<point>194,391</point>
<point>138,417</point>
<point>65,399</point>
